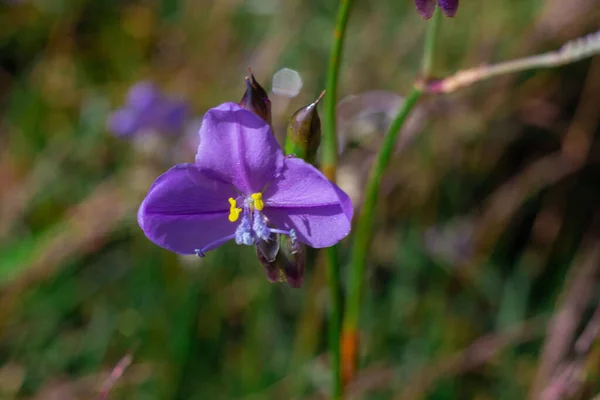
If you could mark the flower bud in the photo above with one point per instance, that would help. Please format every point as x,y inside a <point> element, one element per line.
<point>283,261</point>
<point>426,7</point>
<point>255,98</point>
<point>304,132</point>
<point>267,251</point>
<point>449,7</point>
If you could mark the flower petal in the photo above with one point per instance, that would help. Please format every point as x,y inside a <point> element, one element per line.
<point>449,7</point>
<point>142,95</point>
<point>186,210</point>
<point>238,147</point>
<point>123,122</point>
<point>304,200</point>
<point>425,7</point>
<point>175,116</point>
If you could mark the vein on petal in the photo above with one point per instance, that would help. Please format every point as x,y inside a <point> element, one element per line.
<point>184,213</point>
<point>239,149</point>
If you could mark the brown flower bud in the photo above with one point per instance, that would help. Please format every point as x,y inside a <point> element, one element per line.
<point>283,261</point>
<point>255,98</point>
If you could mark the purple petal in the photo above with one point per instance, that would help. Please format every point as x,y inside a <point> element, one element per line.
<point>148,109</point>
<point>186,210</point>
<point>425,7</point>
<point>123,122</point>
<point>345,201</point>
<point>238,147</point>
<point>142,95</point>
<point>176,116</point>
<point>449,7</point>
<point>165,115</point>
<point>304,200</point>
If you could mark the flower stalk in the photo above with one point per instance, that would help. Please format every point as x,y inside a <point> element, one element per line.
<point>328,166</point>
<point>570,52</point>
<point>364,224</point>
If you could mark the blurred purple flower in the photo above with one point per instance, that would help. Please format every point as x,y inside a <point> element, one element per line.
<point>426,7</point>
<point>148,109</point>
<point>242,187</point>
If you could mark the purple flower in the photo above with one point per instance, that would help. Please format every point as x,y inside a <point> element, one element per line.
<point>242,187</point>
<point>426,7</point>
<point>148,109</point>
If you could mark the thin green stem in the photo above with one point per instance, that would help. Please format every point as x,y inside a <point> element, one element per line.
<point>329,151</point>
<point>329,145</point>
<point>334,320</point>
<point>362,232</point>
<point>430,42</point>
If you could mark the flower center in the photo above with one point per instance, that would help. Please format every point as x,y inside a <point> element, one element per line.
<point>234,211</point>
<point>253,226</point>
<point>258,201</point>
<point>254,202</point>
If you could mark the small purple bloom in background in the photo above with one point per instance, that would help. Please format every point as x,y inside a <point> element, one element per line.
<point>426,7</point>
<point>242,188</point>
<point>148,109</point>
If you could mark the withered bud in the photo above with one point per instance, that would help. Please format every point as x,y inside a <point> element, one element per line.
<point>283,261</point>
<point>304,132</point>
<point>255,98</point>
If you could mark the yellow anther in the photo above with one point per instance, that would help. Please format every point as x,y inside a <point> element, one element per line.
<point>234,212</point>
<point>258,201</point>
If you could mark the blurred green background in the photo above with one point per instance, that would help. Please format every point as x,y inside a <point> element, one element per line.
<point>488,218</point>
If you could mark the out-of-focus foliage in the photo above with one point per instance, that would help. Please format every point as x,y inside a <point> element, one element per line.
<point>482,217</point>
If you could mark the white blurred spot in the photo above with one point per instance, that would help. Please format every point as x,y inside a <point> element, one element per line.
<point>287,83</point>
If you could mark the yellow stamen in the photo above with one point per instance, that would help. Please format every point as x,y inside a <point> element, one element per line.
<point>282,277</point>
<point>234,212</point>
<point>258,201</point>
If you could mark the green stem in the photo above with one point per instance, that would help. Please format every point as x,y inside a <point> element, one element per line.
<point>334,320</point>
<point>430,42</point>
<point>329,151</point>
<point>364,223</point>
<point>362,232</point>
<point>329,146</point>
